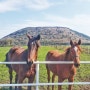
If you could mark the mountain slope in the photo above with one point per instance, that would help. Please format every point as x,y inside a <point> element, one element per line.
<point>49,35</point>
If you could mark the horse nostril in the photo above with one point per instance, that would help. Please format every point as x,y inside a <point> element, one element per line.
<point>76,65</point>
<point>29,63</point>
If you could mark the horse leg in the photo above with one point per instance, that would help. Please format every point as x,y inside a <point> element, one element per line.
<point>10,73</point>
<point>20,80</point>
<point>70,79</point>
<point>29,87</point>
<point>48,74</point>
<point>53,78</point>
<point>60,81</point>
<point>30,80</point>
<point>16,78</point>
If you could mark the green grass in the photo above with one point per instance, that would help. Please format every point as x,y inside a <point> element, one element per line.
<point>83,73</point>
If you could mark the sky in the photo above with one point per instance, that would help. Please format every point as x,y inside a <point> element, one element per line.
<point>18,14</point>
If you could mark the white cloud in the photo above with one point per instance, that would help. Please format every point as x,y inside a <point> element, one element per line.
<point>80,23</point>
<point>76,20</point>
<point>80,0</point>
<point>38,4</point>
<point>85,0</point>
<point>9,5</point>
<point>12,5</point>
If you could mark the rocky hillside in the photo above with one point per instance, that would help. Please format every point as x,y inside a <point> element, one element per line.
<point>49,35</point>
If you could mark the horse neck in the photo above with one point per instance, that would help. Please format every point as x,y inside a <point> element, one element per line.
<point>67,57</point>
<point>34,53</point>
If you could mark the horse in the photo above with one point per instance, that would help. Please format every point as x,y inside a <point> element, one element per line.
<point>64,71</point>
<point>28,55</point>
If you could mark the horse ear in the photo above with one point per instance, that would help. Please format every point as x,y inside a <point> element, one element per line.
<point>28,36</point>
<point>79,42</point>
<point>38,37</point>
<point>38,43</point>
<point>71,42</point>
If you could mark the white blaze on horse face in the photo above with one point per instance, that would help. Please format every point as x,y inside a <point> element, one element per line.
<point>75,48</point>
<point>77,60</point>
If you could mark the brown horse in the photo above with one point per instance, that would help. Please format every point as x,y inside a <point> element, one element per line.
<point>20,54</point>
<point>64,71</point>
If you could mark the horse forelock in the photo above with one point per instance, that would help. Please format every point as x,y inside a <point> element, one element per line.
<point>77,45</point>
<point>67,51</point>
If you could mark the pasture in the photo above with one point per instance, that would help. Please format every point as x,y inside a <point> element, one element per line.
<point>83,72</point>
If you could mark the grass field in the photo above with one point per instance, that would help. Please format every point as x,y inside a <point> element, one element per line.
<point>83,72</point>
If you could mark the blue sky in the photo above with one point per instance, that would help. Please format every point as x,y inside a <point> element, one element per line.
<point>18,14</point>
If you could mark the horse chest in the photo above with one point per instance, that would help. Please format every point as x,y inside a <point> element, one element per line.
<point>31,71</point>
<point>65,72</point>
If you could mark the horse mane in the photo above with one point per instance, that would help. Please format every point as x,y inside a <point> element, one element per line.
<point>67,51</point>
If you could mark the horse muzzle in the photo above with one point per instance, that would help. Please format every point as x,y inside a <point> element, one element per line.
<point>29,63</point>
<point>76,65</point>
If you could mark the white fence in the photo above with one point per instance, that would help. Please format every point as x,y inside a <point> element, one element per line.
<point>37,84</point>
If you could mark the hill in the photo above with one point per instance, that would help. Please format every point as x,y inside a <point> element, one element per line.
<point>49,35</point>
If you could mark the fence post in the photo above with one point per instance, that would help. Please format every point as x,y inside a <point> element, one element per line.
<point>37,75</point>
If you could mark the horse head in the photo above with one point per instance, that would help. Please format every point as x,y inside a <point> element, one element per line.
<point>33,45</point>
<point>75,52</point>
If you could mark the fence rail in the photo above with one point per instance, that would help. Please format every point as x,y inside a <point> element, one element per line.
<point>37,84</point>
<point>45,84</point>
<point>47,62</point>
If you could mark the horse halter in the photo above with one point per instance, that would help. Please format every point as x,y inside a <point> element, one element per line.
<point>32,49</point>
<point>76,49</point>
<point>74,55</point>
